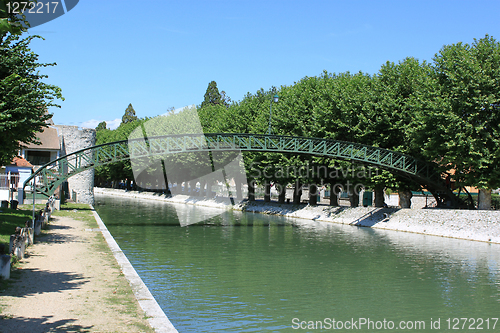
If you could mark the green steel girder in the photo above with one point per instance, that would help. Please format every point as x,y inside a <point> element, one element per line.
<point>54,173</point>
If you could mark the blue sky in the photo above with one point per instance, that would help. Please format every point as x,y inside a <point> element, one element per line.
<point>159,54</point>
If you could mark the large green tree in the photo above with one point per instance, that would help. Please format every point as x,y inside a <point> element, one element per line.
<point>24,97</point>
<point>388,121</point>
<point>460,129</point>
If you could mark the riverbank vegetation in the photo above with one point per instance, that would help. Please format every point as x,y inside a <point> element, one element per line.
<point>445,111</point>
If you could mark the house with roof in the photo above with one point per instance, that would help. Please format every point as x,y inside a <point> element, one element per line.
<point>13,177</point>
<point>48,150</point>
<point>30,158</point>
<point>55,141</point>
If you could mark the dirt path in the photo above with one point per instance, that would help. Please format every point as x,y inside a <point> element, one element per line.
<point>70,282</point>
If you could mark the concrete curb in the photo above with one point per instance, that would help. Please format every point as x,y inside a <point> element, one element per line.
<point>156,317</point>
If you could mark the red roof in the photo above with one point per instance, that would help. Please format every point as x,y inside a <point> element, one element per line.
<point>21,162</point>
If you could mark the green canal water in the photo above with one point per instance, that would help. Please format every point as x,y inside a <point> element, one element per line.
<point>245,272</point>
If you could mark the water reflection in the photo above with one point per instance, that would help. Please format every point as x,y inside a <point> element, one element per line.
<point>244,272</point>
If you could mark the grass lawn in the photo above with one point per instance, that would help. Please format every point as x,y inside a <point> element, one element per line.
<point>9,220</point>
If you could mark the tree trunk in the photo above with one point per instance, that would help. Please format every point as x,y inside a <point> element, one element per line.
<point>282,193</point>
<point>334,198</point>
<point>267,193</point>
<point>379,196</point>
<point>297,192</point>
<point>251,190</point>
<point>405,198</point>
<point>354,198</point>
<point>313,194</point>
<point>484,199</point>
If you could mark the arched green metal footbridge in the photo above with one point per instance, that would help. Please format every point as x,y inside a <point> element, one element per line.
<point>48,177</point>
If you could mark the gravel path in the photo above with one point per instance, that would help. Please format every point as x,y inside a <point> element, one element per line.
<point>70,282</point>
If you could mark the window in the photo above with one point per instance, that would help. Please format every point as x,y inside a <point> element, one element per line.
<point>36,157</point>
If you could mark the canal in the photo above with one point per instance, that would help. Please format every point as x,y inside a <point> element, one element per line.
<point>246,272</point>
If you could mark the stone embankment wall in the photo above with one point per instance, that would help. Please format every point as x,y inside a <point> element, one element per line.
<point>73,139</point>
<point>477,225</point>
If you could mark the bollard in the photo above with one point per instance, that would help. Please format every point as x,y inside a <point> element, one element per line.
<point>17,244</point>
<point>5,266</point>
<point>45,219</point>
<point>28,234</point>
<point>38,227</point>
<point>19,250</point>
<point>47,210</point>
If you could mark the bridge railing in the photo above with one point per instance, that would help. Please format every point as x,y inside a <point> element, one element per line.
<point>52,174</point>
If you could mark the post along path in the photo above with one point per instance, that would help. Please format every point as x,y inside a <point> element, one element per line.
<point>70,281</point>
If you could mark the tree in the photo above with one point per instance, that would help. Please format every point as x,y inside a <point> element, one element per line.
<point>102,125</point>
<point>129,115</point>
<point>226,100</point>
<point>213,97</point>
<point>120,170</point>
<point>461,127</point>
<point>9,22</point>
<point>24,97</point>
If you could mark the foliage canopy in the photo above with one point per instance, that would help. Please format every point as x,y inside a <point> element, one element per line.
<point>24,97</point>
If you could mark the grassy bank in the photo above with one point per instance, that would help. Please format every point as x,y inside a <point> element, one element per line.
<point>10,219</point>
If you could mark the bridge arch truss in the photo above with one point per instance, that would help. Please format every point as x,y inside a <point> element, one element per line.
<point>51,175</point>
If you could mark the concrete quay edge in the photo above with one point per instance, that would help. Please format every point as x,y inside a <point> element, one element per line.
<point>155,315</point>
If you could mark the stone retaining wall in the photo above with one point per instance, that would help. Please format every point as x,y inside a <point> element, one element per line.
<point>478,225</point>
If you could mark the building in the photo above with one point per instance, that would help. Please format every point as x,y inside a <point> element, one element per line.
<point>12,178</point>
<point>55,141</point>
<point>48,150</point>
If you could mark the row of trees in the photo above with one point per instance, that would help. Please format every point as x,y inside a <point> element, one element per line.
<point>445,111</point>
